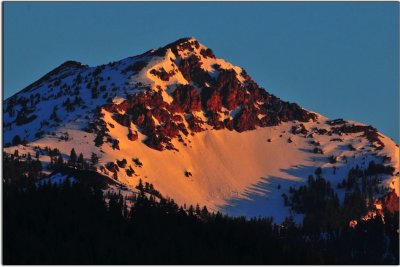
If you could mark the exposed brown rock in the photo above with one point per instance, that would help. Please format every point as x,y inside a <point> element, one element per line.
<point>161,122</point>
<point>186,99</point>
<point>391,202</point>
<point>245,120</point>
<point>162,74</point>
<point>207,53</point>
<point>132,136</point>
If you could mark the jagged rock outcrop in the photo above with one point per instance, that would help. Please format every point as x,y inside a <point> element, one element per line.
<point>228,100</point>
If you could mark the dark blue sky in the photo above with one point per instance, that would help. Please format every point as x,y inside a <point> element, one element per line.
<point>338,59</point>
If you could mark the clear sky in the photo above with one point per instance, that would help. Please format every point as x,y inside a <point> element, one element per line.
<point>338,59</point>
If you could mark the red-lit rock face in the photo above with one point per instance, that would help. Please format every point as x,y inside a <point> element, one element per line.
<point>186,99</point>
<point>223,99</point>
<point>391,202</point>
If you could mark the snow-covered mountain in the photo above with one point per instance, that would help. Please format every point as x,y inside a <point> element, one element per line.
<point>195,126</point>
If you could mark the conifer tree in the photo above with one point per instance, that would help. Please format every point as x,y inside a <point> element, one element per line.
<point>140,186</point>
<point>191,211</point>
<point>204,212</point>
<point>198,211</point>
<point>59,163</point>
<point>94,159</point>
<point>81,161</point>
<point>318,171</point>
<point>72,157</point>
<point>54,115</point>
<point>16,140</point>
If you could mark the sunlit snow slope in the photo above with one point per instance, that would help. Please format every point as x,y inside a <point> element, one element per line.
<point>203,130</point>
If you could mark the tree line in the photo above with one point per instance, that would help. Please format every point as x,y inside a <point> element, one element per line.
<point>73,223</point>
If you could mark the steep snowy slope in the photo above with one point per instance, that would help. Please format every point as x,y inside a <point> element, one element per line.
<point>195,126</point>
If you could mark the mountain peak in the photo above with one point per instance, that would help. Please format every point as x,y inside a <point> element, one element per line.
<point>182,41</point>
<point>196,122</point>
<point>186,47</point>
<point>183,78</point>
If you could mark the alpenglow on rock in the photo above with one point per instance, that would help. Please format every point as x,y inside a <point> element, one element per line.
<point>179,109</point>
